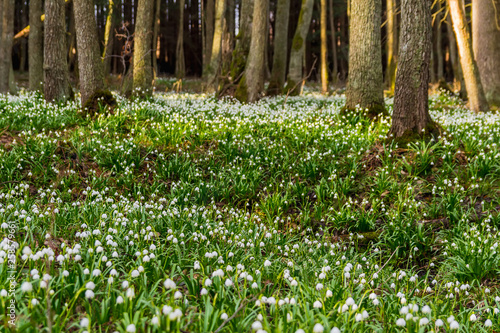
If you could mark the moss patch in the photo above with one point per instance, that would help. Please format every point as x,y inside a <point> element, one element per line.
<point>101,99</point>
<point>431,131</point>
<point>241,93</point>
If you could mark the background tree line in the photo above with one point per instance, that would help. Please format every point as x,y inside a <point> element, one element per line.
<point>235,46</point>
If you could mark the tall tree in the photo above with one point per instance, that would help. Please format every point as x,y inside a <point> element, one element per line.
<point>180,66</point>
<point>278,73</point>
<point>295,70</point>
<point>7,35</point>
<point>111,24</point>
<point>35,45</point>
<point>143,74</point>
<point>243,39</point>
<point>324,48</point>
<point>333,37</point>
<point>410,118</point>
<point>486,44</point>
<point>365,86</point>
<point>439,43</point>
<point>213,69</point>
<point>392,44</point>
<point>228,38</point>
<point>475,92</point>
<point>156,43</point>
<point>208,35</point>
<point>90,65</point>
<point>56,76</point>
<point>252,83</point>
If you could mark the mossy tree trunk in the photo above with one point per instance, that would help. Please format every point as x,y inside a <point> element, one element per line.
<point>295,70</point>
<point>475,92</point>
<point>143,73</point>
<point>90,65</point>
<point>392,45</point>
<point>35,45</point>
<point>324,48</point>
<point>56,76</point>
<point>227,39</point>
<point>208,36</point>
<point>109,29</point>
<point>243,39</point>
<point>365,86</point>
<point>486,45</point>
<point>410,118</point>
<point>212,71</point>
<point>251,85</point>
<point>180,65</point>
<point>278,73</point>
<point>6,35</point>
<point>439,43</point>
<point>333,37</point>
<point>155,44</point>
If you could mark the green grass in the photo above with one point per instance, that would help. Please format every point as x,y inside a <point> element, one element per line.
<point>187,214</point>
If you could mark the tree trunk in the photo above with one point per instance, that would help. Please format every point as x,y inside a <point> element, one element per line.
<point>7,39</point>
<point>486,44</point>
<point>180,67</point>
<point>35,45</point>
<point>56,76</point>
<point>242,40</point>
<point>252,83</point>
<point>228,38</point>
<point>156,43</point>
<point>209,21</point>
<point>324,49</point>
<point>278,73</point>
<point>365,86</point>
<point>410,118</point>
<point>90,65</point>
<point>334,43</point>
<point>475,92</point>
<point>295,75</point>
<point>142,49</point>
<point>439,44</point>
<point>392,44</point>
<point>109,35</point>
<point>212,71</point>
<point>22,46</point>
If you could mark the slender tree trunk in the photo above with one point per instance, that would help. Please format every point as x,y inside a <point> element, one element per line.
<point>243,39</point>
<point>410,118</point>
<point>56,76</point>
<point>295,70</point>
<point>228,37</point>
<point>7,35</point>
<point>439,44</point>
<point>365,87</point>
<point>71,41</point>
<point>212,72</point>
<point>392,44</point>
<point>156,43</point>
<point>90,65</point>
<point>22,48</point>
<point>333,36</point>
<point>209,20</point>
<point>324,49</point>
<point>109,34</point>
<point>180,67</point>
<point>251,85</point>
<point>35,45</point>
<point>278,73</point>
<point>486,44</point>
<point>475,92</point>
<point>143,76</point>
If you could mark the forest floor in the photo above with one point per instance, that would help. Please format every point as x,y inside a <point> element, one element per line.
<point>187,214</point>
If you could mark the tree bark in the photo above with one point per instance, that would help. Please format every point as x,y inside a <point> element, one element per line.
<point>143,77</point>
<point>109,38</point>
<point>486,45</point>
<point>212,71</point>
<point>90,65</point>
<point>243,40</point>
<point>209,21</point>
<point>7,40</point>
<point>439,44</point>
<point>334,43</point>
<point>252,83</point>
<point>180,67</point>
<point>56,76</point>
<point>475,92</point>
<point>35,45</point>
<point>278,73</point>
<point>324,49</point>
<point>392,44</point>
<point>295,70</point>
<point>411,117</point>
<point>228,38</point>
<point>156,44</point>
<point>365,86</point>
